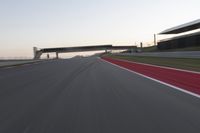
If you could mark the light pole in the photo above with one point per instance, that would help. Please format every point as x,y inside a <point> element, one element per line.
<point>155,41</point>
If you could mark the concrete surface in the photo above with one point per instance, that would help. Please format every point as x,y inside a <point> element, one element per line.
<point>91,96</point>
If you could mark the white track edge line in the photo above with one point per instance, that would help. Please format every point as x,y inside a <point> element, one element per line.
<point>161,82</point>
<point>189,71</point>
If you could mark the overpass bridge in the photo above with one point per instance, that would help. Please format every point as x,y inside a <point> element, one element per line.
<point>39,52</point>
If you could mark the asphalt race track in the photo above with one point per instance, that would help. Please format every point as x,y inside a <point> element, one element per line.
<point>89,95</point>
<point>186,80</point>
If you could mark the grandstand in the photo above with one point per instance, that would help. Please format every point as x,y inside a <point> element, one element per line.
<point>192,39</point>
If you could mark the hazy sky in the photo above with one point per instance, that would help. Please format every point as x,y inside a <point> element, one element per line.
<point>55,23</point>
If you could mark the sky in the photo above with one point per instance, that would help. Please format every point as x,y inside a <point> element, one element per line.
<point>64,23</point>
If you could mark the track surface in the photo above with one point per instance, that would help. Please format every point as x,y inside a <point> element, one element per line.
<point>189,81</point>
<point>91,96</point>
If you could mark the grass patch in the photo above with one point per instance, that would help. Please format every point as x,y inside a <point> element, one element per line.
<point>154,49</point>
<point>180,63</point>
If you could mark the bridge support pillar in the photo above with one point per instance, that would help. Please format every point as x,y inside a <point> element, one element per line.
<point>57,56</point>
<point>132,50</point>
<point>37,53</point>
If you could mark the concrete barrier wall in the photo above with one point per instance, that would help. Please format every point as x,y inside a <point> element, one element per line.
<point>7,63</point>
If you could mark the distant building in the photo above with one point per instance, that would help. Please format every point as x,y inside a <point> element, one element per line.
<point>192,39</point>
